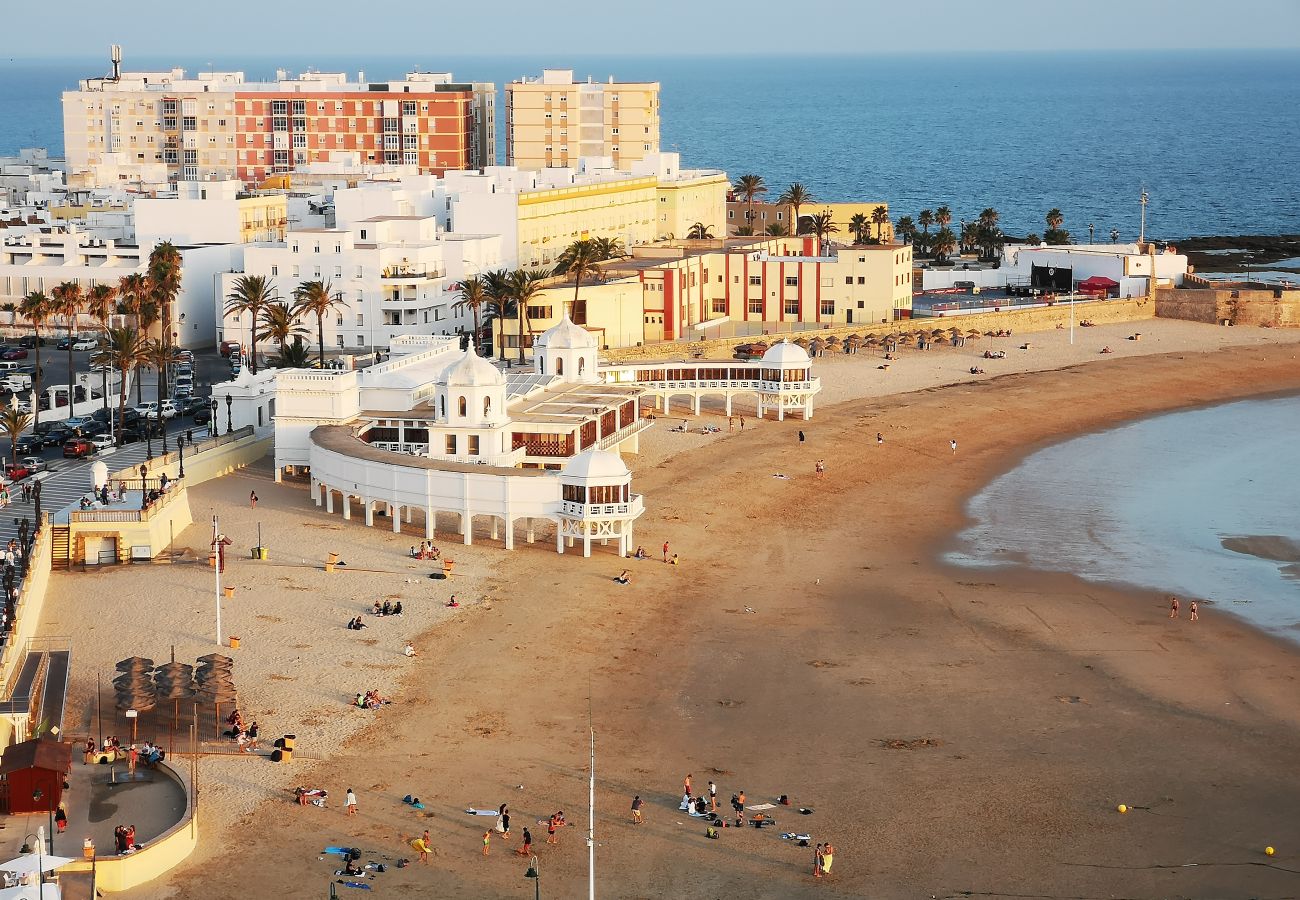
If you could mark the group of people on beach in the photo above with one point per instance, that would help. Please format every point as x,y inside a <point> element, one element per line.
<point>425,550</point>
<point>1193,609</point>
<point>370,700</point>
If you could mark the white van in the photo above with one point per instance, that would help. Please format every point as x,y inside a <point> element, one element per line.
<point>17,381</point>
<point>8,365</point>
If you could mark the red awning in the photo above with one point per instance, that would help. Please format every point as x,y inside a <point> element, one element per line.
<point>1099,281</point>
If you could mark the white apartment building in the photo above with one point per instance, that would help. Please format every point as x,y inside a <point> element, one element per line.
<point>39,262</point>
<point>210,212</point>
<point>396,275</point>
<point>554,121</point>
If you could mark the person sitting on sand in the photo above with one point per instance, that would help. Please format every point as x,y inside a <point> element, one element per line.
<point>360,701</point>
<point>413,554</point>
<point>378,609</point>
<point>397,608</point>
<point>623,578</point>
<point>1107,350</point>
<point>387,609</point>
<point>409,649</point>
<point>640,553</point>
<point>453,603</point>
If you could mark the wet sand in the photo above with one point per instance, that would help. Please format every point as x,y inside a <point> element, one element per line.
<point>957,733</point>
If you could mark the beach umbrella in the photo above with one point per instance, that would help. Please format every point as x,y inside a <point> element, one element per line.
<point>872,340</point>
<point>214,658</point>
<point>832,341</point>
<point>817,345</point>
<point>218,694</point>
<point>938,332</point>
<point>134,663</point>
<point>174,681</point>
<point>973,334</point>
<point>802,342</point>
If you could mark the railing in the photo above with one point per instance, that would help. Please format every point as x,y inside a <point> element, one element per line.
<point>130,515</point>
<point>590,510</point>
<point>411,273</point>
<point>622,434</point>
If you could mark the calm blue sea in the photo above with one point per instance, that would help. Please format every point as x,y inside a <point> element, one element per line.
<point>1214,138</point>
<point>1152,503</point>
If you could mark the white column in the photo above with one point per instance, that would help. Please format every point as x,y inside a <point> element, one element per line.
<point>347,505</point>
<point>408,514</point>
<point>430,521</point>
<point>586,540</point>
<point>530,530</point>
<point>329,497</point>
<point>728,403</point>
<point>467,526</point>
<point>668,404</point>
<point>510,533</point>
<point>559,536</point>
<point>317,491</point>
<point>807,408</point>
<point>370,512</point>
<point>697,404</point>
<point>396,513</point>
<point>279,473</point>
<point>494,528</point>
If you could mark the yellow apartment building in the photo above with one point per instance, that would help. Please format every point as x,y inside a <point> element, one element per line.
<point>549,220</point>
<point>739,286</point>
<point>553,121</point>
<point>842,214</point>
<point>692,198</point>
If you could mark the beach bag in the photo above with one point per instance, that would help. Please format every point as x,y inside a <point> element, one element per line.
<point>711,833</point>
<point>354,854</point>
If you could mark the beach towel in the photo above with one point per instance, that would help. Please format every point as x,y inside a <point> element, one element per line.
<point>342,851</point>
<point>762,806</point>
<point>471,811</point>
<point>796,837</point>
<point>355,884</point>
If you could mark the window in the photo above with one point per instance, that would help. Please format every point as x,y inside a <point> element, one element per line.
<point>828,307</point>
<point>848,279</point>
<point>315,248</point>
<point>279,107</point>
<point>299,139</point>
<point>861,280</point>
<point>461,406</point>
<point>487,406</point>
<point>719,304</point>
<point>275,270</point>
<point>451,445</point>
<point>408,107</point>
<point>361,341</point>
<point>189,123</point>
<point>791,306</point>
<point>756,280</point>
<point>792,281</point>
<point>756,306</point>
<point>473,445</point>
<point>295,272</point>
<point>559,366</point>
<point>338,338</point>
<point>361,319</point>
<point>293,248</point>
<point>338,271</point>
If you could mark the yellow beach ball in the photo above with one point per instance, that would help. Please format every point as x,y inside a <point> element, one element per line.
<point>1122,808</point>
<point>1269,851</point>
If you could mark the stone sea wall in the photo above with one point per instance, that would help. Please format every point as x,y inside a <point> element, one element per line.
<point>1270,308</point>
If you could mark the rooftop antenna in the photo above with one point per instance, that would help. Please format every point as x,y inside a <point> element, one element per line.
<point>115,55</point>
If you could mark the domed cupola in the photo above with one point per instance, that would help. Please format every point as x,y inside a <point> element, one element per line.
<point>567,350</point>
<point>472,392</point>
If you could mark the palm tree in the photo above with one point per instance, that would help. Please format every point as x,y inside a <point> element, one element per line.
<point>700,232</point>
<point>880,218</point>
<point>988,233</point>
<point>68,300</point>
<point>101,303</point>
<point>1055,234</point>
<point>925,220</point>
<point>748,188</point>
<point>579,259</point>
<point>774,229</point>
<point>796,196</point>
<point>14,424</point>
<point>250,294</point>
<point>943,216</point>
<point>744,231</point>
<point>906,227</point>
<point>136,297</point>
<point>126,352</point>
<point>524,285</point>
<point>316,298</point>
<point>823,225</point>
<point>293,355</point>
<point>474,297</point>
<point>1054,218</point>
<point>496,284</point>
<point>858,225</point>
<point>279,322</point>
<point>160,357</point>
<point>608,248</point>
<point>36,308</point>
<point>165,278</point>
<point>1032,239</point>
<point>944,243</point>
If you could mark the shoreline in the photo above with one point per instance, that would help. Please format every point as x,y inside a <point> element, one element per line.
<point>886,644</point>
<point>944,547</point>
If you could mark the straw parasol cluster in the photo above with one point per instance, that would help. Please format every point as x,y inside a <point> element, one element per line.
<point>215,684</point>
<point>134,689</point>
<point>175,682</point>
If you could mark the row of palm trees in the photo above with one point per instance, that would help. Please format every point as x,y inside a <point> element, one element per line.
<point>277,320</point>
<point>983,235</point>
<point>147,298</point>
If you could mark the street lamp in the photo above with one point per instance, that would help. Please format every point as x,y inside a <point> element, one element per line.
<point>144,493</point>
<point>230,403</point>
<point>534,874</point>
<point>36,798</point>
<point>40,857</point>
<point>180,448</point>
<point>213,428</point>
<point>1089,232</point>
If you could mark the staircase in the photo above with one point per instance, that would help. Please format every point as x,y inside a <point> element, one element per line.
<point>59,551</point>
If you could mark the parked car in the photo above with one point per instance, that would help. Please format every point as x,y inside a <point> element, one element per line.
<point>64,343</point>
<point>30,341</point>
<point>146,409</point>
<point>11,352</point>
<point>203,415</point>
<point>83,343</point>
<point>90,429</point>
<point>193,404</point>
<point>229,347</point>
<point>30,443</point>
<point>184,383</point>
<point>35,463</point>
<point>75,448</point>
<point>17,472</point>
<point>55,437</point>
<point>16,381</point>
<point>165,410</point>
<point>103,442</point>
<point>76,421</point>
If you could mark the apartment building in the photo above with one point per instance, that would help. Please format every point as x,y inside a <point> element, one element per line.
<point>395,275</point>
<point>553,121</point>
<point>39,262</point>
<point>147,129</point>
<point>211,212</point>
<point>737,286</point>
<point>761,215</point>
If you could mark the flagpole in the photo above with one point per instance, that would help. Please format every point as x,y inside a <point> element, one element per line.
<point>591,823</point>
<point>216,565</point>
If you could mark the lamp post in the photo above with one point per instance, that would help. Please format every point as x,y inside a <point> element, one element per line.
<point>536,875</point>
<point>230,403</point>
<point>36,495</point>
<point>40,856</point>
<point>213,428</point>
<point>180,448</point>
<point>144,487</point>
<point>1114,235</point>
<point>148,437</point>
<point>49,806</point>
<point>1089,232</point>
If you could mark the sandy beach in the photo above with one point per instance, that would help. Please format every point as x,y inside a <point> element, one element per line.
<point>955,733</point>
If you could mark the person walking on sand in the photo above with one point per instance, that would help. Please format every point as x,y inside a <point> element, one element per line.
<point>713,796</point>
<point>1195,611</point>
<point>636,810</point>
<point>731,423</point>
<point>527,848</point>
<point>742,423</point>
<point>828,857</point>
<point>953,444</point>
<point>487,841</point>
<point>686,785</point>
<point>820,468</point>
<point>1173,607</point>
<point>665,551</point>
<point>801,437</point>
<point>880,438</point>
<point>350,802</point>
<point>817,862</point>
<point>252,499</point>
<point>550,831</point>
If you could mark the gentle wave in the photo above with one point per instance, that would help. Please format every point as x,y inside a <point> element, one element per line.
<point>1203,503</point>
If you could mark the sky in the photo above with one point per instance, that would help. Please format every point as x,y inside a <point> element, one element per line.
<point>650,27</point>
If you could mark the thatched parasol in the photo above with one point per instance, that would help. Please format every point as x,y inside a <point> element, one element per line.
<point>134,664</point>
<point>175,682</point>
<point>938,333</point>
<point>973,334</point>
<point>832,341</point>
<point>872,341</point>
<point>802,342</point>
<point>218,694</point>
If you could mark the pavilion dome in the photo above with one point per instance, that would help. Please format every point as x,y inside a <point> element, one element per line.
<point>472,370</point>
<point>564,335</point>
<point>596,465</point>
<point>786,355</point>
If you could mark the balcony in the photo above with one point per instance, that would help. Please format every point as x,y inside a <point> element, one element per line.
<point>631,509</point>
<point>410,273</point>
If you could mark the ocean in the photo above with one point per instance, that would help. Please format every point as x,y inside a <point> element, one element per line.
<point>1203,504</point>
<point>1212,137</point>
